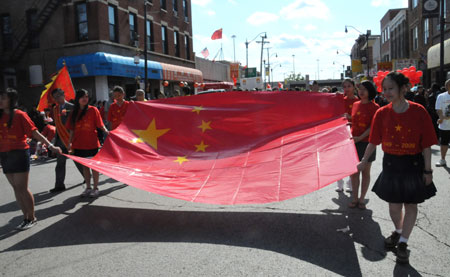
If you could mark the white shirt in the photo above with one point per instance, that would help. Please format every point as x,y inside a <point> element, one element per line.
<point>443,104</point>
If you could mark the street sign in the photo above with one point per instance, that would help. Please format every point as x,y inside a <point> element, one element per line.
<point>251,72</point>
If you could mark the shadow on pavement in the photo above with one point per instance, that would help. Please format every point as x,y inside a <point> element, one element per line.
<point>311,238</point>
<point>405,270</point>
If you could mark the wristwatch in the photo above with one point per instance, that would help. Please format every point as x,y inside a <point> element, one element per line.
<point>428,172</point>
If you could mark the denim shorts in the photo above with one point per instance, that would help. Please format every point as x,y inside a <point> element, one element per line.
<point>15,161</point>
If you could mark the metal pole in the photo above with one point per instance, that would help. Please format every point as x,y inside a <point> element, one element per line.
<point>246,58</point>
<point>441,66</point>
<point>234,48</point>
<point>293,65</point>
<point>367,53</point>
<point>268,62</point>
<point>145,48</point>
<point>318,74</point>
<point>262,49</point>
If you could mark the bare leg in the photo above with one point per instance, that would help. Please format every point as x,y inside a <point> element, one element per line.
<point>396,213</point>
<point>24,197</point>
<point>355,186</point>
<point>409,220</point>
<point>444,149</point>
<point>87,176</point>
<point>365,181</point>
<point>96,175</point>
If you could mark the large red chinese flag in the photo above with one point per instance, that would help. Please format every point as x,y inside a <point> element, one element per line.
<point>231,148</point>
<point>217,34</point>
<point>61,80</point>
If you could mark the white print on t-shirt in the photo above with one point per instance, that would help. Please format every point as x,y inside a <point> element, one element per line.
<point>443,104</point>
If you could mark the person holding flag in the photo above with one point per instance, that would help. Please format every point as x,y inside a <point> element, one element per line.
<point>118,109</point>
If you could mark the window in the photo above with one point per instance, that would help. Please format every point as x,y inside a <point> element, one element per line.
<point>186,46</point>
<point>387,33</point>
<point>175,7</point>
<point>415,38</point>
<point>426,30</point>
<point>133,29</point>
<point>185,9</point>
<point>82,21</point>
<point>149,36</point>
<point>32,28</point>
<point>7,37</point>
<point>414,3</point>
<point>112,18</point>
<point>163,4</point>
<point>165,45</point>
<point>176,42</point>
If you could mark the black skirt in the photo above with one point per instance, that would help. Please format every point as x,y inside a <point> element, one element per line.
<point>401,180</point>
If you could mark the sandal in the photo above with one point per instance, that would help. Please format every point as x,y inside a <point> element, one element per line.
<point>353,204</point>
<point>361,206</point>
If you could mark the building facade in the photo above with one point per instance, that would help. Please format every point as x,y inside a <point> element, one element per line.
<point>101,41</point>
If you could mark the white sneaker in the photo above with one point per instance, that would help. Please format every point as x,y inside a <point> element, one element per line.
<point>441,163</point>
<point>26,224</point>
<point>349,186</point>
<point>340,186</point>
<point>86,192</point>
<point>94,193</point>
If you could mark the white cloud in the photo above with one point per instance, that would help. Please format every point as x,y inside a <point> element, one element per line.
<point>390,3</point>
<point>306,9</point>
<point>201,2</point>
<point>211,13</point>
<point>310,27</point>
<point>260,18</point>
<point>233,2</point>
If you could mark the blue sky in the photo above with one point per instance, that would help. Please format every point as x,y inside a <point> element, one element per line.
<point>312,30</point>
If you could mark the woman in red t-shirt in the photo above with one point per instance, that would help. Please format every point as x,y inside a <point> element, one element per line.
<point>349,98</point>
<point>15,128</point>
<point>406,134</point>
<point>362,114</point>
<point>82,125</point>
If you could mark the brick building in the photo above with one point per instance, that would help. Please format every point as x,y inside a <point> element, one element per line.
<point>99,41</point>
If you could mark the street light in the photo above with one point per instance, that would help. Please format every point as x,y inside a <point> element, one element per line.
<point>234,48</point>
<point>367,44</point>
<point>246,50</point>
<point>293,65</point>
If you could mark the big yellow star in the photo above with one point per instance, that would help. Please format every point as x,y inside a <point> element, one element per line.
<point>181,160</point>
<point>398,128</point>
<point>205,126</point>
<point>201,147</point>
<point>151,134</point>
<point>197,109</point>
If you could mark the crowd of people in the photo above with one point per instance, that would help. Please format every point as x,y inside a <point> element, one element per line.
<point>405,123</point>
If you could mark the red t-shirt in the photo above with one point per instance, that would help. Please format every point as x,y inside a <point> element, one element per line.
<point>49,132</point>
<point>15,138</point>
<point>85,130</point>
<point>362,115</point>
<point>116,113</point>
<point>348,102</point>
<point>405,133</point>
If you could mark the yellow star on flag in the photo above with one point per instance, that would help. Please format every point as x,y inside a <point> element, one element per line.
<point>151,134</point>
<point>197,109</point>
<point>181,160</point>
<point>205,126</point>
<point>398,128</point>
<point>201,147</point>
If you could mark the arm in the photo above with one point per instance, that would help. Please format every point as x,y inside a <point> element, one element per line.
<point>369,150</point>
<point>39,137</point>
<point>428,175</point>
<point>441,116</point>
<point>70,141</point>
<point>362,136</point>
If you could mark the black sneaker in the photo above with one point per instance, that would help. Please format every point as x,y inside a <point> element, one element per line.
<point>391,241</point>
<point>26,224</point>
<point>57,189</point>
<point>402,253</point>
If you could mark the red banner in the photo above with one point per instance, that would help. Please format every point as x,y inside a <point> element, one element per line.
<point>217,34</point>
<point>231,148</point>
<point>61,80</point>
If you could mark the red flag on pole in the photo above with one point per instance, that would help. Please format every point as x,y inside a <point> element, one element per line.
<point>231,148</point>
<point>217,34</point>
<point>61,80</point>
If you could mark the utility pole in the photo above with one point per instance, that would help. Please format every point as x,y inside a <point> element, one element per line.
<point>293,65</point>
<point>442,27</point>
<point>145,48</point>
<point>234,49</point>
<point>262,51</point>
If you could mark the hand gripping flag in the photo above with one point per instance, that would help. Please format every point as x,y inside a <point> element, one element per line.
<point>231,148</point>
<point>61,80</point>
<point>217,34</point>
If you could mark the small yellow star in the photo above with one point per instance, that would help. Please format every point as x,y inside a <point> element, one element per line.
<point>181,160</point>
<point>137,140</point>
<point>398,128</point>
<point>151,134</point>
<point>197,109</point>
<point>358,113</point>
<point>201,147</point>
<point>205,126</point>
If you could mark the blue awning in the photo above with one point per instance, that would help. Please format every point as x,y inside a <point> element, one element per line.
<point>105,64</point>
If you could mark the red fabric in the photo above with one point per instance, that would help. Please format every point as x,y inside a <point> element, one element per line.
<point>85,130</point>
<point>49,132</point>
<point>116,113</point>
<point>217,34</point>
<point>405,133</point>
<point>231,148</point>
<point>348,104</point>
<point>62,81</point>
<point>362,115</point>
<point>15,138</point>
<point>102,112</point>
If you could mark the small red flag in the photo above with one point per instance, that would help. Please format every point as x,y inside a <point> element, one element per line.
<point>217,34</point>
<point>231,148</point>
<point>234,81</point>
<point>61,80</point>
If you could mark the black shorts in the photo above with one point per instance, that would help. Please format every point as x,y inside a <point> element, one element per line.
<point>15,161</point>
<point>85,153</point>
<point>361,148</point>
<point>445,136</point>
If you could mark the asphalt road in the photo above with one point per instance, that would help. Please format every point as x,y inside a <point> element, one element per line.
<point>129,232</point>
